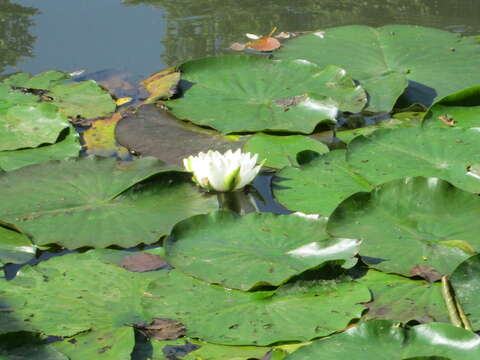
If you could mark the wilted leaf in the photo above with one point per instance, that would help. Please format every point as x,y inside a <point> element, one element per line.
<point>100,138</point>
<point>161,85</point>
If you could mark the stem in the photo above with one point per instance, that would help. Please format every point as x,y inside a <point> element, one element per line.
<point>450,302</point>
<point>230,201</point>
<point>239,202</point>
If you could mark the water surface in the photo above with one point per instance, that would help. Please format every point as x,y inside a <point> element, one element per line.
<point>143,36</point>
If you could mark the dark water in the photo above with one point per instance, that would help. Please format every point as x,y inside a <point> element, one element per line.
<point>143,36</point>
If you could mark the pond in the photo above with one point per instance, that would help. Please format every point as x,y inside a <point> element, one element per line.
<point>143,37</point>
<point>358,237</point>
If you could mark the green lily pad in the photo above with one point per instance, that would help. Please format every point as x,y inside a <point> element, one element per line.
<point>104,298</point>
<point>10,97</point>
<point>297,312</point>
<point>33,352</point>
<point>411,222</point>
<point>86,99</point>
<point>150,131</point>
<point>45,81</point>
<point>68,147</point>
<point>281,151</point>
<point>159,350</point>
<point>85,202</point>
<point>247,93</point>
<point>243,251</point>
<point>15,247</point>
<point>394,123</point>
<point>319,186</point>
<point>384,340</point>
<point>461,109</point>
<point>435,62</point>
<point>402,300</point>
<point>448,154</point>
<point>30,125</point>
<point>466,283</point>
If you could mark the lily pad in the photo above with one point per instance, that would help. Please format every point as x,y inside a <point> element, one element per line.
<point>10,97</point>
<point>85,202</point>
<point>191,349</point>
<point>410,222</point>
<point>461,109</point>
<point>32,352</point>
<point>15,247</point>
<point>466,283</point>
<point>319,186</point>
<point>149,131</point>
<point>435,62</point>
<point>68,147</point>
<point>297,312</point>
<point>243,251</point>
<point>45,81</point>
<point>86,99</point>
<point>247,93</point>
<point>402,300</point>
<point>28,126</point>
<point>384,340</point>
<point>104,298</point>
<point>394,123</point>
<point>448,154</point>
<point>281,151</point>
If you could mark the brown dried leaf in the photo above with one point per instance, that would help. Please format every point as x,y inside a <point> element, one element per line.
<point>143,262</point>
<point>426,272</point>
<point>265,43</point>
<point>164,329</point>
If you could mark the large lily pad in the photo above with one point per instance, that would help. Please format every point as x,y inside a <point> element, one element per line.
<point>29,125</point>
<point>14,247</point>
<point>448,154</point>
<point>461,109</point>
<point>67,147</point>
<point>296,312</point>
<point>435,62</point>
<point>281,151</point>
<point>104,298</point>
<point>411,222</point>
<point>384,340</point>
<point>466,282</point>
<point>402,300</point>
<point>10,97</point>
<point>246,93</point>
<point>83,202</point>
<point>243,251</point>
<point>149,131</point>
<point>319,186</point>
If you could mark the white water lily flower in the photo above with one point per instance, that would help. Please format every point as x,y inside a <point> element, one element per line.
<point>228,172</point>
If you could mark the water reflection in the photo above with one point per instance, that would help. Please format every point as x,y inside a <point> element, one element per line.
<point>15,40</point>
<point>198,28</point>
